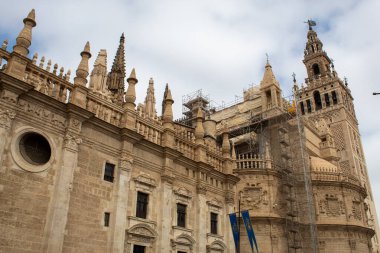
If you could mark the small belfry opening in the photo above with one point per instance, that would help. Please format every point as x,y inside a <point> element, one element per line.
<point>316,70</point>
<point>317,100</point>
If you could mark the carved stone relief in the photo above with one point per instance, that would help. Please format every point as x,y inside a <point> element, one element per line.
<point>331,205</point>
<point>6,117</point>
<point>182,194</point>
<point>71,141</point>
<point>45,115</point>
<point>145,182</point>
<point>254,196</point>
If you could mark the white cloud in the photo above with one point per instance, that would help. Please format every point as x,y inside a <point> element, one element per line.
<point>215,45</point>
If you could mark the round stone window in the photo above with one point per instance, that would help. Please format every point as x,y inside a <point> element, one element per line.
<point>35,148</point>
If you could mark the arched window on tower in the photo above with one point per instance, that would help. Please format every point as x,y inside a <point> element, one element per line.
<point>334,97</point>
<point>327,99</point>
<point>302,108</point>
<point>308,105</point>
<point>317,100</point>
<point>316,69</point>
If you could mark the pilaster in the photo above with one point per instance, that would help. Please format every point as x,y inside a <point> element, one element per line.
<point>202,219</point>
<point>6,120</point>
<point>121,202</point>
<point>58,211</point>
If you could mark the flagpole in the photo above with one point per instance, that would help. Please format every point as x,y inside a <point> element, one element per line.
<point>239,221</point>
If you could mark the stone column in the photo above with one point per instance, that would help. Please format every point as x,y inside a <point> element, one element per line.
<point>202,213</point>
<point>6,118</point>
<point>121,203</point>
<point>166,214</point>
<point>57,215</point>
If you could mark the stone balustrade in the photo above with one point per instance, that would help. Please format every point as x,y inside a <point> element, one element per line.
<point>250,161</point>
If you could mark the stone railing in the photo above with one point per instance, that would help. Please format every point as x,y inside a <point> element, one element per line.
<point>186,147</point>
<point>150,130</point>
<point>215,160</point>
<point>54,84</point>
<point>334,176</point>
<point>104,109</point>
<point>250,161</point>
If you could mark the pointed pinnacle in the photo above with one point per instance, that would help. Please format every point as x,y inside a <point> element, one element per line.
<point>31,18</point>
<point>132,76</point>
<point>122,38</point>
<point>151,80</point>
<point>86,50</point>
<point>168,93</point>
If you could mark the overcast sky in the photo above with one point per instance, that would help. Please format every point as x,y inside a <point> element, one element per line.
<point>218,46</point>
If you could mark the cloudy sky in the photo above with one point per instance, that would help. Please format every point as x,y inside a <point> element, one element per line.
<point>218,46</point>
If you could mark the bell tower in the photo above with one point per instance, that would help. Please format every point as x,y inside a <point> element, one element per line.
<point>327,97</point>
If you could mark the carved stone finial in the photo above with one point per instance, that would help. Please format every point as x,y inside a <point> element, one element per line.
<point>150,100</point>
<point>24,39</point>
<point>55,69</point>
<point>48,66</point>
<point>82,70</point>
<point>168,110</point>
<point>34,59</point>
<point>130,95</point>
<point>4,45</point>
<point>42,62</point>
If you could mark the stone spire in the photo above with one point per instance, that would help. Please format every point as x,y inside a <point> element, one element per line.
<point>130,95</point>
<point>115,80</point>
<point>150,100</point>
<point>24,39</point>
<point>199,130</point>
<point>167,116</point>
<point>270,89</point>
<point>268,78</point>
<point>82,70</point>
<point>98,75</point>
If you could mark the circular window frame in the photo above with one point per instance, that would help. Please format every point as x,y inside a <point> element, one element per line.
<point>19,158</point>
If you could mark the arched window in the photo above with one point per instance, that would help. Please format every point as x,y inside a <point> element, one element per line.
<point>316,69</point>
<point>317,100</point>
<point>334,97</point>
<point>302,108</point>
<point>327,99</point>
<point>308,105</point>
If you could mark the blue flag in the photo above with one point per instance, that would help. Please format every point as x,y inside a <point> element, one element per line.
<point>250,233</point>
<point>235,230</point>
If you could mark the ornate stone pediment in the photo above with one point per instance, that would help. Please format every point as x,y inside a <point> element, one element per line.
<point>183,194</point>
<point>214,204</point>
<point>183,240</point>
<point>145,182</point>
<point>141,233</point>
<point>217,245</point>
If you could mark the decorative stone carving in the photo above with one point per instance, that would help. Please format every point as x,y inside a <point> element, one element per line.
<point>201,189</point>
<point>6,117</point>
<point>75,125</point>
<point>183,241</point>
<point>331,205</point>
<point>254,196</point>
<point>72,142</point>
<point>9,97</point>
<point>182,194</point>
<point>217,246</point>
<point>125,161</point>
<point>141,233</point>
<point>145,182</point>
<point>214,205</point>
<point>356,209</point>
<point>45,115</point>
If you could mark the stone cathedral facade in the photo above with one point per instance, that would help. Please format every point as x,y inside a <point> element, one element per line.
<point>85,169</point>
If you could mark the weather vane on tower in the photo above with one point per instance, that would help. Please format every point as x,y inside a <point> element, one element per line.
<point>311,23</point>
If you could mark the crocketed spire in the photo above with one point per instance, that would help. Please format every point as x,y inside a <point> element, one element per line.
<point>115,80</point>
<point>98,75</point>
<point>150,100</point>
<point>167,116</point>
